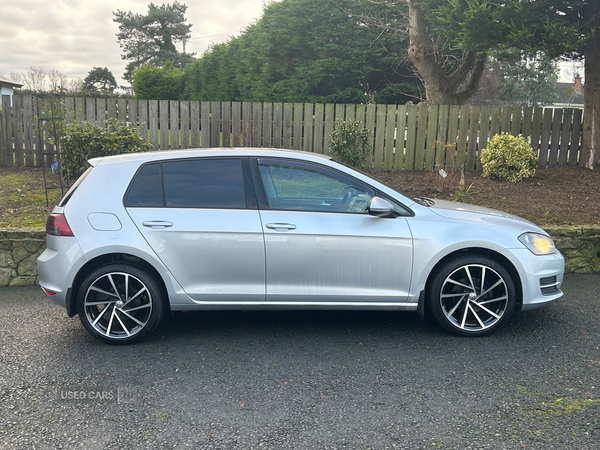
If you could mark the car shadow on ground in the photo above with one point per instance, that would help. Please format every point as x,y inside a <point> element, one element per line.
<point>300,323</point>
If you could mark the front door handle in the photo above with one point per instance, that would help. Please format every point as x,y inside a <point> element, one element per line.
<point>157,224</point>
<point>281,226</point>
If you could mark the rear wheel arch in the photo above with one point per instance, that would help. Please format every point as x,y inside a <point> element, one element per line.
<point>112,258</point>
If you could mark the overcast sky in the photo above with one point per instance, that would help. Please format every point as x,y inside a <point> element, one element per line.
<point>73,36</point>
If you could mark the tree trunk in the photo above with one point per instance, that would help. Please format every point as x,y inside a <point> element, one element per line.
<point>590,151</point>
<point>441,88</point>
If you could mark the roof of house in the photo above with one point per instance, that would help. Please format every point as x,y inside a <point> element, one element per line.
<point>7,82</point>
<point>568,95</point>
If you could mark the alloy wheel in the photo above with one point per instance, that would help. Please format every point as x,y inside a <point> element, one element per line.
<point>118,305</point>
<point>474,297</point>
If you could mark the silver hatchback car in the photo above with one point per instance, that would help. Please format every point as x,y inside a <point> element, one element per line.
<point>142,234</point>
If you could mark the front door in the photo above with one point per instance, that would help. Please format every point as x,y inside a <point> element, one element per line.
<point>322,245</point>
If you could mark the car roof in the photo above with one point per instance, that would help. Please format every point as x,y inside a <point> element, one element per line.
<point>205,152</point>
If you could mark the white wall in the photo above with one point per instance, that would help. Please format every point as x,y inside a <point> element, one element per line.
<point>5,90</point>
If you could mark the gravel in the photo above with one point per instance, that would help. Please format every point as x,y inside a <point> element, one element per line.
<point>293,380</point>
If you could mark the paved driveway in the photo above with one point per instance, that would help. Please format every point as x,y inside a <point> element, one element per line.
<point>292,380</point>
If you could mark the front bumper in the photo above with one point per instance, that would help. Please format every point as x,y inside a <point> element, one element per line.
<point>541,277</point>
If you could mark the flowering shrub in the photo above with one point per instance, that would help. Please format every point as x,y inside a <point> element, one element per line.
<point>349,143</point>
<point>508,158</point>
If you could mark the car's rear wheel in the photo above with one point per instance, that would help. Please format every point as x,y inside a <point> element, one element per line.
<point>120,304</point>
<point>472,295</point>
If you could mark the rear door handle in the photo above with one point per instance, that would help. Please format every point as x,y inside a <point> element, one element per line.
<point>281,226</point>
<point>157,224</point>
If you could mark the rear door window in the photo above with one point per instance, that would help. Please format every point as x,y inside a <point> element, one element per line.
<point>199,183</point>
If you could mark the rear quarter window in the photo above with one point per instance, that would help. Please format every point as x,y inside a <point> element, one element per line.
<point>146,188</point>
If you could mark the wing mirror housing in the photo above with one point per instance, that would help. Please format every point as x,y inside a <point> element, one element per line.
<point>380,207</point>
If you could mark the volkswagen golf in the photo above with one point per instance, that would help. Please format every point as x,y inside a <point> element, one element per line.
<point>142,234</point>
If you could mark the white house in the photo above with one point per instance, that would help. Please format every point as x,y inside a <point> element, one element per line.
<point>7,86</point>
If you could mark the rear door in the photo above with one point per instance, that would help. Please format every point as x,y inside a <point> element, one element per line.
<point>321,244</point>
<point>201,219</point>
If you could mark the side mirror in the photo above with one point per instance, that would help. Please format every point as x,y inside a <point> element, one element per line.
<point>380,207</point>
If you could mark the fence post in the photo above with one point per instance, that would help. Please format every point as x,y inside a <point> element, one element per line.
<point>18,128</point>
<point>399,153</point>
<point>205,123</point>
<point>329,120</point>
<point>7,141</point>
<point>215,124</point>
<point>556,126</point>
<point>575,137</point>
<point>390,129</point>
<point>256,124</point>
<point>153,122</point>
<point>379,131</point>
<point>565,138</point>
<point>226,123</point>
<point>319,127</point>
<point>174,127</point>
<point>28,130</point>
<point>195,124</point>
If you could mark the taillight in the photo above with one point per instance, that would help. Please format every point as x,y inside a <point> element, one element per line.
<point>57,225</point>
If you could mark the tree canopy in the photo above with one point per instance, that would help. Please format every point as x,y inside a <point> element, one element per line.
<point>100,80</point>
<point>305,50</point>
<point>151,38</point>
<point>151,82</point>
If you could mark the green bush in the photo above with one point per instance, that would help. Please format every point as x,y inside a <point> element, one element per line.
<point>508,158</point>
<point>158,83</point>
<point>84,141</point>
<point>349,143</point>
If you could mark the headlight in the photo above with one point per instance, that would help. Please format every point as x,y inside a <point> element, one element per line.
<point>539,244</point>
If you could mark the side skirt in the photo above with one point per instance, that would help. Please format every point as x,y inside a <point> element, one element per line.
<point>381,306</point>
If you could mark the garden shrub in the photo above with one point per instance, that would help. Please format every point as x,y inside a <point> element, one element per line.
<point>84,141</point>
<point>508,158</point>
<point>349,143</point>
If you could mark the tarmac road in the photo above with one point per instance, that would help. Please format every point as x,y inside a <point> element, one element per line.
<point>293,380</point>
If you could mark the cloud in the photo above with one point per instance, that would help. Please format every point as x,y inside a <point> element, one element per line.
<point>73,36</point>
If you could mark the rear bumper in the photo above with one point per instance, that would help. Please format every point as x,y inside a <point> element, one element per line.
<point>56,267</point>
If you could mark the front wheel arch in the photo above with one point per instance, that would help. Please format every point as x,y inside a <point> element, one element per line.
<point>472,295</point>
<point>499,258</point>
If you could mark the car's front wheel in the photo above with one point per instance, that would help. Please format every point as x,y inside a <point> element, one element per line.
<point>120,304</point>
<point>472,295</point>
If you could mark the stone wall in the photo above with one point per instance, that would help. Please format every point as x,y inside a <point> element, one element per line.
<point>20,247</point>
<point>579,245</point>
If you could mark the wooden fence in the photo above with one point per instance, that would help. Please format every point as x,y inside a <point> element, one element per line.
<point>415,137</point>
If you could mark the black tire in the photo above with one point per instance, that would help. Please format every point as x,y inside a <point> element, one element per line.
<point>455,297</point>
<point>120,304</point>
